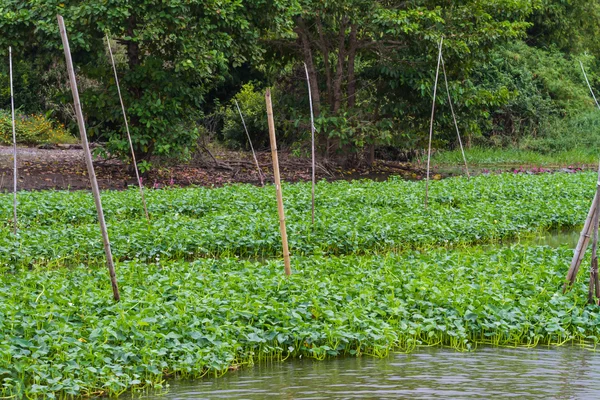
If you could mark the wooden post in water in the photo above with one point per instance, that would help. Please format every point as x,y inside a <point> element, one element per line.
<point>582,244</point>
<point>271,122</point>
<point>14,137</point>
<point>88,157</point>
<point>260,174</point>
<point>594,287</point>
<point>137,172</point>
<point>312,131</point>
<point>437,73</point>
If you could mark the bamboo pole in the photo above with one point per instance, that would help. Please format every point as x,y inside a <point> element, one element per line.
<point>594,282</point>
<point>88,157</point>
<point>14,137</point>
<point>588,83</point>
<point>454,118</point>
<point>286,252</point>
<point>137,172</point>
<point>312,131</point>
<point>260,174</point>
<point>437,72</point>
<point>582,244</point>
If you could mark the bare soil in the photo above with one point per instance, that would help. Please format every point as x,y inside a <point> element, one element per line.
<point>64,168</point>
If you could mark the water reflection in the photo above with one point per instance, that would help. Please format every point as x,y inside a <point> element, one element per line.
<point>557,373</point>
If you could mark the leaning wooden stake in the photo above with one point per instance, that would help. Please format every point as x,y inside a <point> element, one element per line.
<point>88,157</point>
<point>260,174</point>
<point>437,73</point>
<point>286,252</point>
<point>454,118</point>
<point>594,287</point>
<point>312,131</point>
<point>582,244</point>
<point>14,137</point>
<point>588,83</point>
<point>137,172</point>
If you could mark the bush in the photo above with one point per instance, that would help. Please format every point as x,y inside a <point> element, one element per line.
<point>32,130</point>
<point>252,104</point>
<point>578,132</point>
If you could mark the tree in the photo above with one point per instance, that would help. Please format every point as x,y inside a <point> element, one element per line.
<point>371,63</point>
<point>171,52</point>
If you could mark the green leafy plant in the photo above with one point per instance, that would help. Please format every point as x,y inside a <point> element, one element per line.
<point>32,129</point>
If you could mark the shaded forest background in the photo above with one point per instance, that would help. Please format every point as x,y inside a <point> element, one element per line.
<point>512,66</point>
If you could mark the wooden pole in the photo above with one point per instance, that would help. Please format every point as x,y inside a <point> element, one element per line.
<point>437,73</point>
<point>88,158</point>
<point>286,252</point>
<point>260,174</point>
<point>137,172</point>
<point>14,137</point>
<point>312,131</point>
<point>454,118</point>
<point>594,282</point>
<point>588,83</point>
<point>582,244</point>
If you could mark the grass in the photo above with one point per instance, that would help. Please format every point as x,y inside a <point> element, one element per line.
<point>479,156</point>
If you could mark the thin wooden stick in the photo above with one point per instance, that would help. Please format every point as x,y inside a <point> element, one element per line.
<point>454,118</point>
<point>594,283</point>
<point>260,174</point>
<point>14,136</point>
<point>437,72</point>
<point>588,83</point>
<point>137,172</point>
<point>88,157</point>
<point>312,131</point>
<point>286,252</point>
<point>582,244</point>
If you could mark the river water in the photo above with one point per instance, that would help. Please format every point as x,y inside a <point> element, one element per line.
<point>542,373</point>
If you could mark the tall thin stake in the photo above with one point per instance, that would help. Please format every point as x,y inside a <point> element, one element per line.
<point>312,131</point>
<point>437,73</point>
<point>286,252</point>
<point>137,172</point>
<point>454,118</point>
<point>88,157</point>
<point>588,83</point>
<point>594,281</point>
<point>260,174</point>
<point>582,244</point>
<point>14,136</point>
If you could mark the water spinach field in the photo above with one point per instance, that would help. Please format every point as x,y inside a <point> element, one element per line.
<point>203,289</point>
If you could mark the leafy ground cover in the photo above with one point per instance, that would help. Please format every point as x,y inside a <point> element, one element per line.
<point>60,228</point>
<point>62,335</point>
<point>193,303</point>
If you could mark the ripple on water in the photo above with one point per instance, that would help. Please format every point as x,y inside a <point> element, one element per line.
<point>549,373</point>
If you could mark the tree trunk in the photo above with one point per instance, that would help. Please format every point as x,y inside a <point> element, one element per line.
<point>351,57</point>
<point>325,50</point>
<point>339,72</point>
<point>308,59</point>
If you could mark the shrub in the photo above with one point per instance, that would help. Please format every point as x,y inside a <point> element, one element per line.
<point>32,129</point>
<point>252,104</point>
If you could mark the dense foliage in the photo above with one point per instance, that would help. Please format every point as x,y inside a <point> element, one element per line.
<point>60,228</point>
<point>184,314</point>
<point>512,68</point>
<point>61,333</point>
